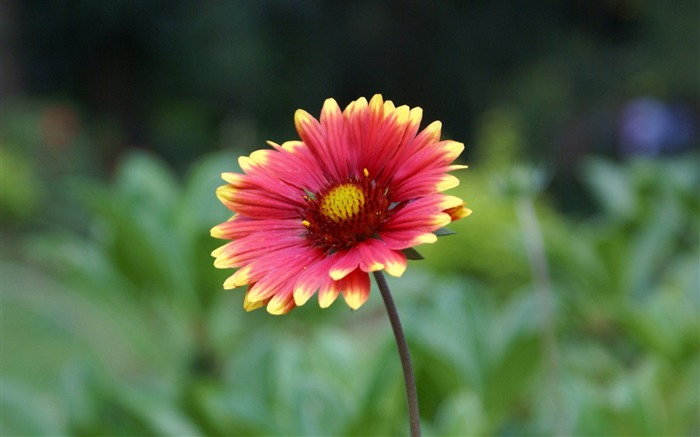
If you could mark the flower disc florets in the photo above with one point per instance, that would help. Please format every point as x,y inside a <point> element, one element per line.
<point>319,214</point>
<point>345,214</point>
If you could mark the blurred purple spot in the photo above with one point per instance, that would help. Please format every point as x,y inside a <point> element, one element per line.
<point>651,127</point>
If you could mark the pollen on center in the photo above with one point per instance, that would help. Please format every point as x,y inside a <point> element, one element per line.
<point>342,202</point>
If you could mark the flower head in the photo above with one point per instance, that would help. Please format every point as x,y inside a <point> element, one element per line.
<point>318,214</point>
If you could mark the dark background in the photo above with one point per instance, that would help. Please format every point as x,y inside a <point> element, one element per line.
<point>183,78</point>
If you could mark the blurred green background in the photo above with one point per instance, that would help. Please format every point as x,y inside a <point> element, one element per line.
<point>567,304</point>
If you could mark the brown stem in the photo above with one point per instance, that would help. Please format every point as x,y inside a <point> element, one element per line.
<point>409,379</point>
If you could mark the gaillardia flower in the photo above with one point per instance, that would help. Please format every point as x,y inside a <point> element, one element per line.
<point>318,214</point>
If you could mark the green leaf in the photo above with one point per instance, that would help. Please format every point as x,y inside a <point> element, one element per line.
<point>27,411</point>
<point>200,205</point>
<point>412,253</point>
<point>443,231</point>
<point>609,183</point>
<point>157,411</point>
<point>144,181</point>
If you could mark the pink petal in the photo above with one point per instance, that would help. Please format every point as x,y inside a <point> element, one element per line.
<point>240,227</point>
<point>281,303</point>
<point>336,146</point>
<point>345,262</point>
<point>314,136</point>
<point>328,292</point>
<point>422,215</point>
<point>277,280</point>
<point>375,255</point>
<point>313,276</point>
<point>398,240</point>
<point>355,288</point>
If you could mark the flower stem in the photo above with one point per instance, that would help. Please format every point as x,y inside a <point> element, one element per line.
<point>409,379</point>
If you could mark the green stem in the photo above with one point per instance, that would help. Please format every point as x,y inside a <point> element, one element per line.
<point>409,379</point>
<point>534,244</point>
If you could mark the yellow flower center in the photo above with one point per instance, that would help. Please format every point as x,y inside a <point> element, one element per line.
<point>340,216</point>
<point>342,202</point>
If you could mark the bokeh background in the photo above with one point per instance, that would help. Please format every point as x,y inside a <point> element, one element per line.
<point>567,304</point>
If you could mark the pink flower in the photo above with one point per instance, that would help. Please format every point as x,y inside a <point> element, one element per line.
<point>319,214</point>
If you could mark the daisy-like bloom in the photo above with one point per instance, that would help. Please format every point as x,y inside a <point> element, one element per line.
<point>318,214</point>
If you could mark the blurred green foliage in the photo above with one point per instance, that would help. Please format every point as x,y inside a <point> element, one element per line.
<point>123,328</point>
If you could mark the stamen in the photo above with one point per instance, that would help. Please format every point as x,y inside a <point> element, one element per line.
<point>342,202</point>
<point>342,215</point>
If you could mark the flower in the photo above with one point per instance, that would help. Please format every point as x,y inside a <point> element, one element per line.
<point>319,214</point>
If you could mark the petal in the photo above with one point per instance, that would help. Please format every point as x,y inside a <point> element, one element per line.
<point>251,306</point>
<point>314,136</point>
<point>281,303</point>
<point>426,138</point>
<point>415,223</point>
<point>328,293</point>
<point>398,240</point>
<point>458,212</point>
<point>261,246</point>
<point>424,184</point>
<point>446,182</point>
<point>257,204</point>
<point>221,249</point>
<point>303,292</point>
<point>411,144</point>
<point>345,262</point>
<point>336,145</point>
<point>314,275</point>
<point>240,278</point>
<point>276,281</point>
<point>374,119</point>
<point>386,143</point>
<point>241,227</point>
<point>422,215</point>
<point>296,166</point>
<point>375,255</point>
<point>309,129</point>
<point>232,178</point>
<point>284,172</point>
<point>433,158</point>
<point>355,288</point>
